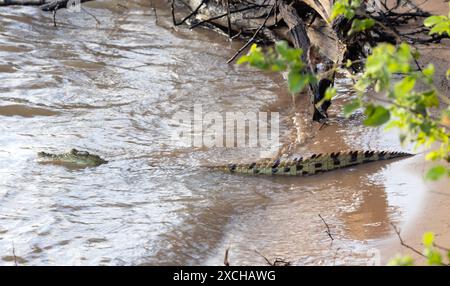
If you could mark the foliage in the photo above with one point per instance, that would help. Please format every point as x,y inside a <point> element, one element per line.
<point>430,252</point>
<point>389,70</point>
<point>401,261</point>
<point>361,25</point>
<point>439,24</point>
<point>345,7</point>
<point>404,106</point>
<point>283,58</point>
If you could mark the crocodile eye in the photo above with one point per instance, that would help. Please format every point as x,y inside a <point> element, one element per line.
<point>232,167</point>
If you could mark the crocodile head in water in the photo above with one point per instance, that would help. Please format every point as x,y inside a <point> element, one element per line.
<point>76,157</point>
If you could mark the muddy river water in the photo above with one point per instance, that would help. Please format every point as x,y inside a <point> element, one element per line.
<point>113,88</point>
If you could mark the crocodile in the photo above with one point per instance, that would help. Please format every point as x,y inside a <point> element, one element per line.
<point>314,164</point>
<point>317,163</point>
<point>74,156</point>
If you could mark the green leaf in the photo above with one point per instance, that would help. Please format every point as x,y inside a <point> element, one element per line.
<point>447,74</point>
<point>361,25</point>
<point>255,58</point>
<point>376,115</point>
<point>434,257</point>
<point>330,93</point>
<point>404,86</point>
<point>429,70</point>
<point>345,8</point>
<point>254,48</point>
<point>401,261</point>
<point>428,239</point>
<point>404,52</point>
<point>278,65</point>
<point>350,107</point>
<point>362,84</point>
<point>433,20</point>
<point>350,63</point>
<point>436,173</point>
<point>288,53</point>
<point>440,28</point>
<point>282,48</point>
<point>430,98</point>
<point>242,60</point>
<point>297,81</point>
<point>433,155</point>
<point>439,24</point>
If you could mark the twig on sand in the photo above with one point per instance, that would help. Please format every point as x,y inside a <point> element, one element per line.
<point>328,231</point>
<point>156,15</point>
<point>92,15</point>
<point>54,17</point>
<point>277,262</point>
<point>335,256</point>
<point>441,247</point>
<point>397,231</point>
<point>253,37</point>
<point>14,255</point>
<point>225,259</point>
<point>323,124</point>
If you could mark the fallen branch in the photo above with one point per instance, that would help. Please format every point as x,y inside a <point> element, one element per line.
<point>172,8</point>
<point>300,39</point>
<point>224,14</point>
<point>60,4</point>
<point>229,20</point>
<point>45,5</point>
<point>23,2</point>
<point>249,42</point>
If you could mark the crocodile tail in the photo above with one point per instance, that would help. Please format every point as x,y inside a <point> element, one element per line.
<point>317,163</point>
<point>327,162</point>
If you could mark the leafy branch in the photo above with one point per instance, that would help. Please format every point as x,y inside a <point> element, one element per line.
<point>431,251</point>
<point>281,59</point>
